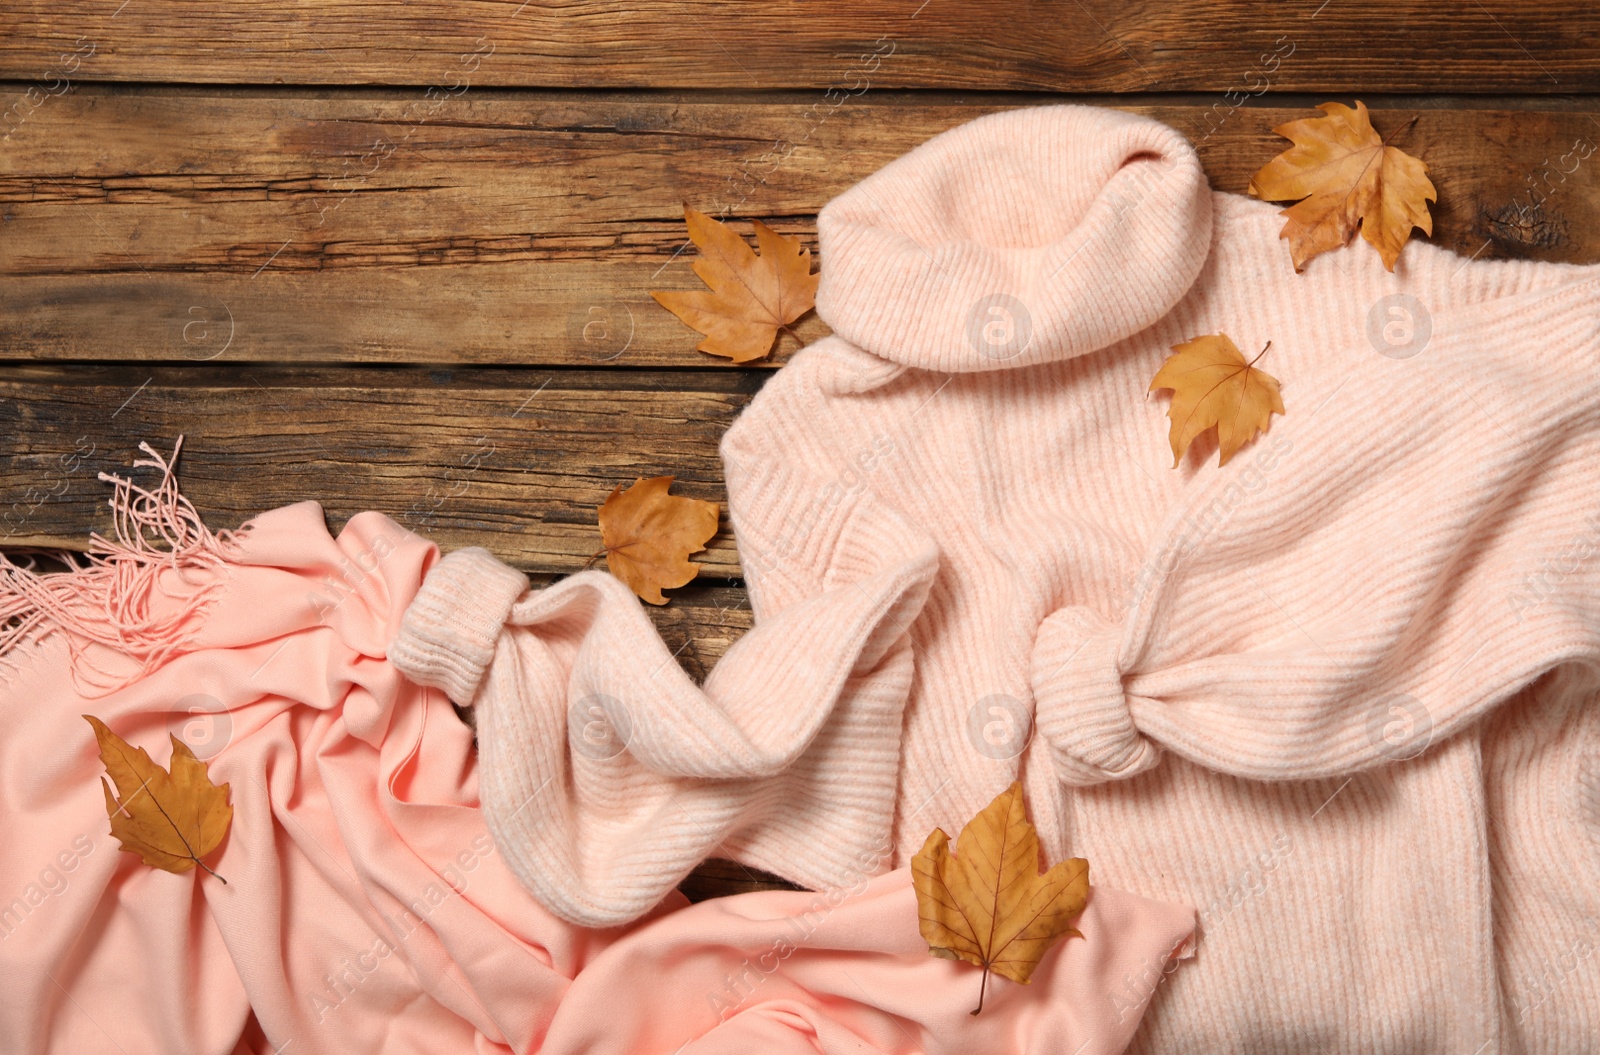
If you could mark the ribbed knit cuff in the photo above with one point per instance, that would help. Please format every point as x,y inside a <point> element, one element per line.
<point>448,632</point>
<point>1080,705</point>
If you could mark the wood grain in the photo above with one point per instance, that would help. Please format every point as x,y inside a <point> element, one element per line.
<point>200,225</point>
<point>515,461</point>
<point>718,877</point>
<point>1082,45</point>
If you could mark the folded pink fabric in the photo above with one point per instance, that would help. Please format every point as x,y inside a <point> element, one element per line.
<point>846,971</point>
<point>366,907</point>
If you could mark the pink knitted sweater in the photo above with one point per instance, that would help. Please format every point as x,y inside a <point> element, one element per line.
<point>1339,693</point>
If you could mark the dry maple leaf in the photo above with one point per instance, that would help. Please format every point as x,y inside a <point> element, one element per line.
<point>1348,176</point>
<point>988,904</point>
<point>1212,385</point>
<point>649,534</point>
<point>751,297</point>
<point>170,819</point>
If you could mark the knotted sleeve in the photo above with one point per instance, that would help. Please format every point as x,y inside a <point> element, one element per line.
<point>608,774</point>
<point>1420,548</point>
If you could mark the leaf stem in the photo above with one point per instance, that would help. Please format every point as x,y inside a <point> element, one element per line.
<point>1402,129</point>
<point>983,987</point>
<point>596,555</point>
<point>202,864</point>
<point>1259,354</point>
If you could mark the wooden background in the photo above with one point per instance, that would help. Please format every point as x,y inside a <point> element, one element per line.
<point>397,254</point>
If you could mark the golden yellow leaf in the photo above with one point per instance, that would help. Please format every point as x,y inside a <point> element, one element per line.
<point>1212,385</point>
<point>987,903</point>
<point>1348,176</point>
<point>751,297</point>
<point>170,819</point>
<point>649,534</point>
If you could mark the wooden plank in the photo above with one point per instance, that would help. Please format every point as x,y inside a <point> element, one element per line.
<point>718,877</point>
<point>226,226</point>
<point>587,314</point>
<point>177,226</point>
<point>1086,45</point>
<point>515,461</point>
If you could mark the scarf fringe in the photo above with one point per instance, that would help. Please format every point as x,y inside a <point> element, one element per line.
<point>111,602</point>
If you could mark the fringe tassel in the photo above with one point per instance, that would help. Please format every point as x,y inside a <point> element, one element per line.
<point>107,599</point>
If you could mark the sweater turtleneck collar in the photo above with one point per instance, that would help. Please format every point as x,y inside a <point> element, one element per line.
<point>1021,237</point>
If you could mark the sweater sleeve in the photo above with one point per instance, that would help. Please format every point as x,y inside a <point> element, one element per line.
<point>607,774</point>
<point>1382,573</point>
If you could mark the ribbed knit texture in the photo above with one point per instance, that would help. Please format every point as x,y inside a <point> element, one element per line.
<point>607,774</point>
<point>1338,693</point>
<point>457,644</point>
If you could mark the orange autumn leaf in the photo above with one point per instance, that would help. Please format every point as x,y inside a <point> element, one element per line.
<point>649,534</point>
<point>987,903</point>
<point>751,297</point>
<point>171,819</point>
<point>1343,175</point>
<point>1213,386</point>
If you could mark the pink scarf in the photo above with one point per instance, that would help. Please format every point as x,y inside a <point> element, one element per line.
<point>366,907</point>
